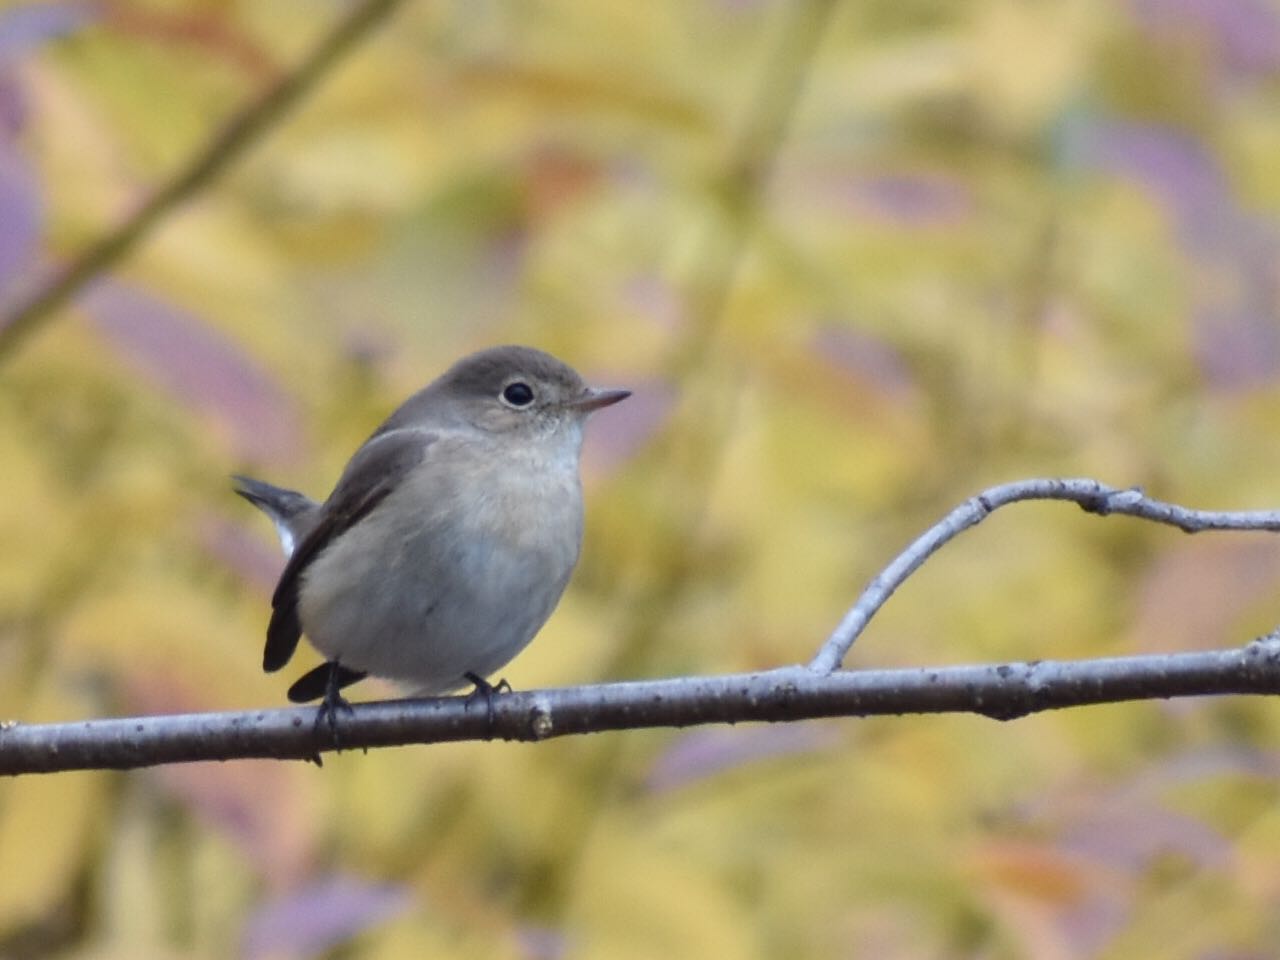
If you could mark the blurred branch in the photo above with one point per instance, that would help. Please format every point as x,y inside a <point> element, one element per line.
<point>1000,691</point>
<point>1092,496</point>
<point>739,187</point>
<point>1003,692</point>
<point>686,456</point>
<point>226,146</point>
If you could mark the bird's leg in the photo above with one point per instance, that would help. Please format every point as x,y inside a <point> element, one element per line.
<point>333,702</point>
<point>485,689</point>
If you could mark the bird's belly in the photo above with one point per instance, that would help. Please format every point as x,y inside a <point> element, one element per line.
<point>428,605</point>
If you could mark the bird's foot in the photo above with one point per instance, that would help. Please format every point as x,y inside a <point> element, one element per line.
<point>333,704</point>
<point>485,690</point>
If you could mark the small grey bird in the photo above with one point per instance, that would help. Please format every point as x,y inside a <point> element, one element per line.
<point>449,538</point>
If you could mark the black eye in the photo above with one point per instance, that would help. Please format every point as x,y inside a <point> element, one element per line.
<point>518,394</point>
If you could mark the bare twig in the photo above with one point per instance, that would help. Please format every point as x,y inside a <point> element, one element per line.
<point>1003,692</point>
<point>1091,495</point>
<point>224,148</point>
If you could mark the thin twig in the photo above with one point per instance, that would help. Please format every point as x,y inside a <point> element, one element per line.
<point>1091,495</point>
<point>224,148</point>
<point>1000,691</point>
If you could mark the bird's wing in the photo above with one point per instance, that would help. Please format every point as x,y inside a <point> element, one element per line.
<point>375,471</point>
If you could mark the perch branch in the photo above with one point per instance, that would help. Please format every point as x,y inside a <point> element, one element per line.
<point>1000,691</point>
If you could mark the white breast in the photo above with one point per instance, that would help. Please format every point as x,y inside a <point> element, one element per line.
<point>455,571</point>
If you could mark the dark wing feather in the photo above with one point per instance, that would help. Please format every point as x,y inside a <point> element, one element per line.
<point>374,472</point>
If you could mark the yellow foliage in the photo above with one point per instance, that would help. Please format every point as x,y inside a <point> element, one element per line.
<point>987,241</point>
<point>654,906</point>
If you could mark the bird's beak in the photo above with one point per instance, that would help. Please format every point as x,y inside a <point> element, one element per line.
<point>593,398</point>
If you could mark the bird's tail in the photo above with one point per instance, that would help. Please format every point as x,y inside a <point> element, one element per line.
<point>292,512</point>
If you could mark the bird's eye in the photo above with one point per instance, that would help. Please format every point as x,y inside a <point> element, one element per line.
<point>518,394</point>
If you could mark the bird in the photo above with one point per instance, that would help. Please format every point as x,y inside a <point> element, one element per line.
<point>449,537</point>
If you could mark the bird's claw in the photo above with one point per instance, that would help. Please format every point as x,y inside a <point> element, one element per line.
<point>333,703</point>
<point>485,689</point>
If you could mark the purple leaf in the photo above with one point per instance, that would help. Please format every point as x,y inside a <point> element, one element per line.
<point>20,215</point>
<point>319,917</point>
<point>1237,346</point>
<point>1125,838</point>
<point>865,358</point>
<point>542,943</point>
<point>32,24</point>
<point>1119,834</point>
<point>914,200</point>
<point>910,200</point>
<point>655,301</point>
<point>1245,33</point>
<point>179,352</point>
<point>1128,836</point>
<point>707,753</point>
<point>13,106</point>
<point>252,557</point>
<point>1174,166</point>
<point>1237,342</point>
<point>616,436</point>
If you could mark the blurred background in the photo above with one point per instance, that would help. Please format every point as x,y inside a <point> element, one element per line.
<point>857,261</point>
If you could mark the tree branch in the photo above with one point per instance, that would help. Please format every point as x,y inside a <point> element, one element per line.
<point>1092,496</point>
<point>244,129</point>
<point>1000,691</point>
